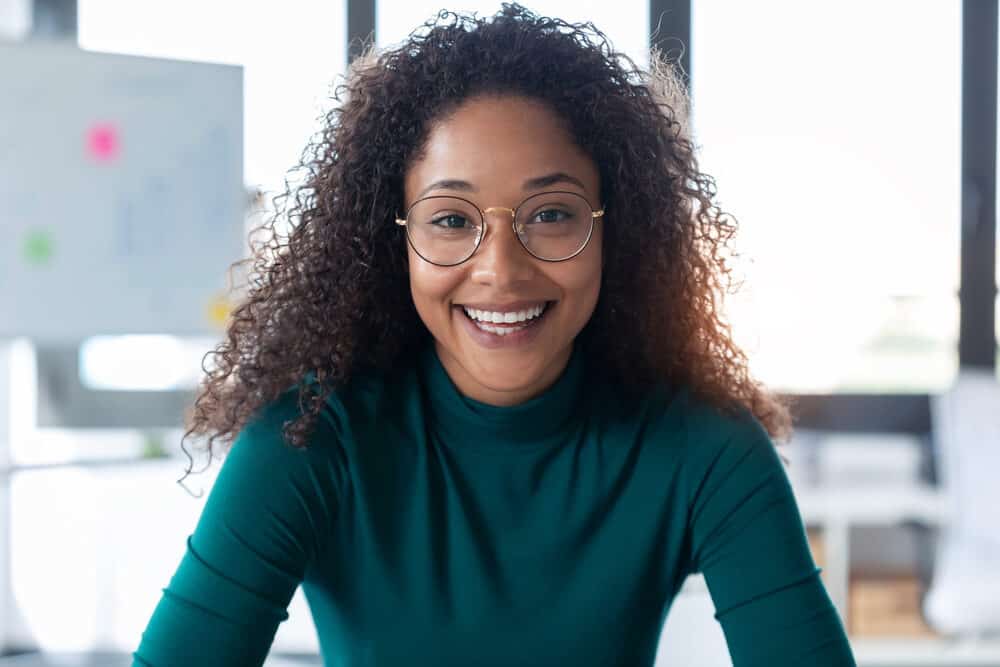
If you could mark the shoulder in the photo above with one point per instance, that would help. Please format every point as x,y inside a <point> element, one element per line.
<point>313,475</point>
<point>263,435</point>
<point>370,404</point>
<point>725,453</point>
<point>676,410</point>
<point>711,428</point>
<point>277,498</point>
<point>363,390</point>
<point>705,439</point>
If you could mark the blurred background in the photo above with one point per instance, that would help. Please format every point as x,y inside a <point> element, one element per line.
<point>855,142</point>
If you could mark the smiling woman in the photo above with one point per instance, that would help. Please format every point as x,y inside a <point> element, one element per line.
<point>491,142</point>
<point>483,405</point>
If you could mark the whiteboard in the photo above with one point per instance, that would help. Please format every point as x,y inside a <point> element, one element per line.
<point>121,194</point>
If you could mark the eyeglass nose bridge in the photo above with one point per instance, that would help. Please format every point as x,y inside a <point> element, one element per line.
<point>512,212</point>
<point>513,216</point>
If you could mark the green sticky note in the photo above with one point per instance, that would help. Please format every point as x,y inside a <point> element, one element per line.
<point>38,247</point>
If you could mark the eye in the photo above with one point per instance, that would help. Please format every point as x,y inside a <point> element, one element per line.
<point>551,215</point>
<point>449,221</point>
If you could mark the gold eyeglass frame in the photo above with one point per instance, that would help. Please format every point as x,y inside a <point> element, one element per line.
<point>594,215</point>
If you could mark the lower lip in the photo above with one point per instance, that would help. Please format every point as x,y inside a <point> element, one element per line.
<point>491,340</point>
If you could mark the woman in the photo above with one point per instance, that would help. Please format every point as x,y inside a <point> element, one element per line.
<point>485,409</point>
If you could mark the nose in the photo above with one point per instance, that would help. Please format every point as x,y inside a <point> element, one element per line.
<point>501,262</point>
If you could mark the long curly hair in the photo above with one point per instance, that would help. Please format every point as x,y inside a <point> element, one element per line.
<point>332,299</point>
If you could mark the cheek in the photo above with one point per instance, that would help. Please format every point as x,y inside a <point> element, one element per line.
<point>432,287</point>
<point>582,277</point>
<point>587,288</point>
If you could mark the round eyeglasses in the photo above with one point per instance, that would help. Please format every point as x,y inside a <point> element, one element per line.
<point>551,226</point>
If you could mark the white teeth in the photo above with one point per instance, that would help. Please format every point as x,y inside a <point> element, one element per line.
<point>505,318</point>
<point>500,331</point>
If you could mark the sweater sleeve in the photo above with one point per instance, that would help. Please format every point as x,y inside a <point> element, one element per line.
<point>749,541</point>
<point>266,517</point>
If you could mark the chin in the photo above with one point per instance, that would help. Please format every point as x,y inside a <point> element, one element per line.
<point>505,374</point>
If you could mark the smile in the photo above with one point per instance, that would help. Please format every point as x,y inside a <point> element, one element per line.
<point>499,329</point>
<point>509,317</point>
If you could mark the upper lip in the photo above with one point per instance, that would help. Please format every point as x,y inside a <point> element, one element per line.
<point>513,307</point>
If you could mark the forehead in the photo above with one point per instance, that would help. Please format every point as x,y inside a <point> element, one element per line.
<point>495,143</point>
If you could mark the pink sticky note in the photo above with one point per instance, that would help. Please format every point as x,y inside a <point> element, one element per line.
<point>103,142</point>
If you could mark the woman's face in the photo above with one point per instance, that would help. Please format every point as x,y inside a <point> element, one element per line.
<point>495,146</point>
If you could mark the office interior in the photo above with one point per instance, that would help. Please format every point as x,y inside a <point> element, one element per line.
<point>855,143</point>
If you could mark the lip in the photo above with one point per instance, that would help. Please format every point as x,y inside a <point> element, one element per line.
<point>495,341</point>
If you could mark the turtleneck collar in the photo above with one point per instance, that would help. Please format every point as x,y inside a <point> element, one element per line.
<point>467,422</point>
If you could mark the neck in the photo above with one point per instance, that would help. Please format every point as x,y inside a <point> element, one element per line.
<point>470,387</point>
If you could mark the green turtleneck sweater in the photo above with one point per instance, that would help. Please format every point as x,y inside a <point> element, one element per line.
<point>427,528</point>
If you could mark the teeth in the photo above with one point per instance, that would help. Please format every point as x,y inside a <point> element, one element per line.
<point>500,331</point>
<point>504,318</point>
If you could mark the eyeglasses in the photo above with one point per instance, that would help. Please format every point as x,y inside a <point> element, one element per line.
<point>551,226</point>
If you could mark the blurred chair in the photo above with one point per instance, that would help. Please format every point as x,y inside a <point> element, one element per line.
<point>964,597</point>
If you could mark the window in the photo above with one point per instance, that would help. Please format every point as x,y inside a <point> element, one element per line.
<point>833,131</point>
<point>626,23</point>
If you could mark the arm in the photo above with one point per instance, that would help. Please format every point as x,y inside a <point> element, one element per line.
<point>748,539</point>
<point>266,517</point>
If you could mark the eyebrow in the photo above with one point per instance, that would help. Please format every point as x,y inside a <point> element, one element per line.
<point>530,184</point>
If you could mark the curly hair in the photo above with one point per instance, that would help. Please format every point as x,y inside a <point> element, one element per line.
<point>332,299</point>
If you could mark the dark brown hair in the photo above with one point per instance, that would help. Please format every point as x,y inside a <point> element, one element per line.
<point>332,299</point>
